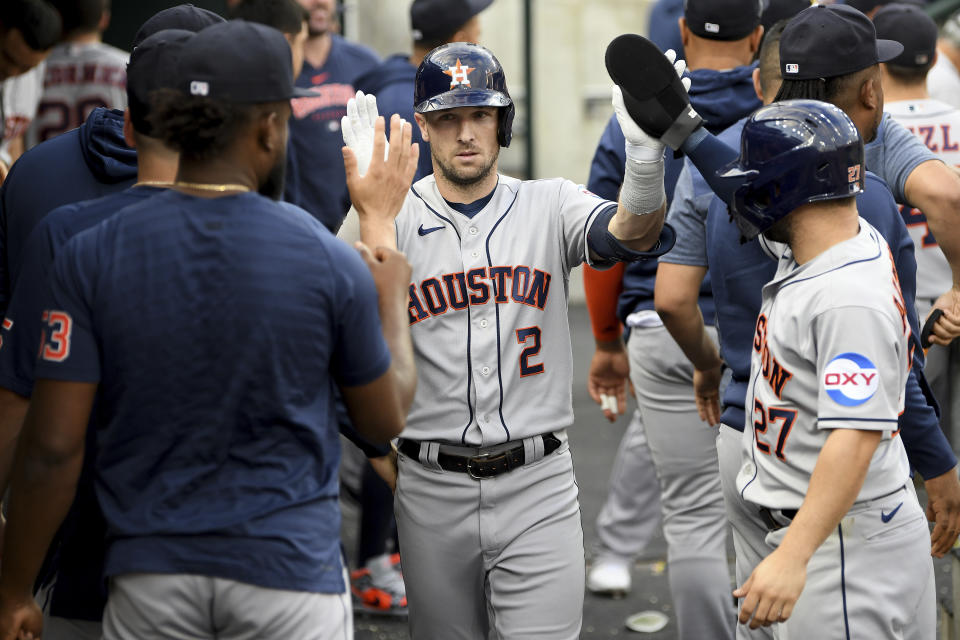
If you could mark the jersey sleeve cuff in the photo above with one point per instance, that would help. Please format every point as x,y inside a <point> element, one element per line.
<point>861,423</point>
<point>16,384</point>
<point>603,245</point>
<point>356,377</point>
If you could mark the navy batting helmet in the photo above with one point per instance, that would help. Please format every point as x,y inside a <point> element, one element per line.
<point>462,74</point>
<point>791,153</point>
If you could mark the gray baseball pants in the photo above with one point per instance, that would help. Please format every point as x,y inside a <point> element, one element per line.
<point>630,516</point>
<point>870,578</point>
<point>152,606</point>
<point>749,531</point>
<point>495,558</point>
<point>685,455</point>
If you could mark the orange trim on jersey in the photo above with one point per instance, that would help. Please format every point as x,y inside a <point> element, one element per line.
<point>602,290</point>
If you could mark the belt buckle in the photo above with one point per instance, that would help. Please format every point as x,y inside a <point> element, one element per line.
<point>480,459</point>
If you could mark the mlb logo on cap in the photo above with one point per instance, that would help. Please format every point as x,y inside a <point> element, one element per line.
<point>199,88</point>
<point>793,68</point>
<point>711,27</point>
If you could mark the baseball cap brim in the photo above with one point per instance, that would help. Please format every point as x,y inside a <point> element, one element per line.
<point>888,50</point>
<point>478,5</point>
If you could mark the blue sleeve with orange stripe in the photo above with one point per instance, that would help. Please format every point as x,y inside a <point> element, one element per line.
<point>22,324</point>
<point>68,348</point>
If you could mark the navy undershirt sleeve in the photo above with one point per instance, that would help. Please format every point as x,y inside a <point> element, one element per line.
<point>711,156</point>
<point>927,447</point>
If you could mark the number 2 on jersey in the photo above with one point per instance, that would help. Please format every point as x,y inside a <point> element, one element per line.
<point>531,334</point>
<point>768,418</point>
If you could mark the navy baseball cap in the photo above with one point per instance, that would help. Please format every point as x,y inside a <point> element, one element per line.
<point>779,10</point>
<point>152,66</point>
<point>722,19</point>
<point>870,5</point>
<point>830,41</point>
<point>911,27</point>
<point>184,16</point>
<point>238,62</point>
<point>437,19</point>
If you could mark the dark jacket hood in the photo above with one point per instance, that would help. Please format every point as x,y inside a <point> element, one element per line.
<point>723,97</point>
<point>104,149</point>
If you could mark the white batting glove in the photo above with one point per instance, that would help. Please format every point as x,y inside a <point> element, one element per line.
<point>641,147</point>
<point>357,128</point>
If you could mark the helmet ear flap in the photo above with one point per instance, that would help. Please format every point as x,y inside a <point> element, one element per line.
<point>505,130</point>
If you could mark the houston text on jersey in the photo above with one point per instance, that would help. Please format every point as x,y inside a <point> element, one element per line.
<point>435,296</point>
<point>772,370</point>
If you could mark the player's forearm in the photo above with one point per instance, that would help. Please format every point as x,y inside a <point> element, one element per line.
<point>13,408</point>
<point>836,481</point>
<point>642,205</point>
<point>638,232</point>
<point>934,188</point>
<point>375,234</point>
<point>690,333</point>
<point>602,290</point>
<point>396,332</point>
<point>42,491</point>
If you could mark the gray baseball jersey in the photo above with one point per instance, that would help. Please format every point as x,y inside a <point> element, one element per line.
<point>937,124</point>
<point>78,79</point>
<point>829,353</point>
<point>20,96</point>
<point>488,309</point>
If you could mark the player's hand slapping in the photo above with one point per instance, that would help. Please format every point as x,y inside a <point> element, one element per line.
<point>608,378</point>
<point>391,274</point>
<point>772,590</point>
<point>943,508</point>
<point>20,617</point>
<point>378,190</point>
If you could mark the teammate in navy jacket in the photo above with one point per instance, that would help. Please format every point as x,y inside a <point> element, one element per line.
<point>683,454</point>
<point>228,443</point>
<point>74,604</point>
<point>88,162</point>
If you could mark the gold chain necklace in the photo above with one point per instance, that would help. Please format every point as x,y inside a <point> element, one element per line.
<point>199,186</point>
<point>153,183</point>
<point>220,188</point>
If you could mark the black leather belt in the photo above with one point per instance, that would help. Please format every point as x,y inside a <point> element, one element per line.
<point>772,523</point>
<point>484,465</point>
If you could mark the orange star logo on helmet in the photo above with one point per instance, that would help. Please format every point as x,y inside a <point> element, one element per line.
<point>458,75</point>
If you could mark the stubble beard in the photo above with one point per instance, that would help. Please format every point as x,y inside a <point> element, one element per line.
<point>469,177</point>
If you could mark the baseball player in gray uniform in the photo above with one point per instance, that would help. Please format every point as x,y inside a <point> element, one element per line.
<point>821,456</point>
<point>486,499</point>
<point>907,100</point>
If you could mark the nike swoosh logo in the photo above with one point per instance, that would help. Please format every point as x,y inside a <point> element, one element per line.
<point>424,232</point>
<point>887,517</point>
